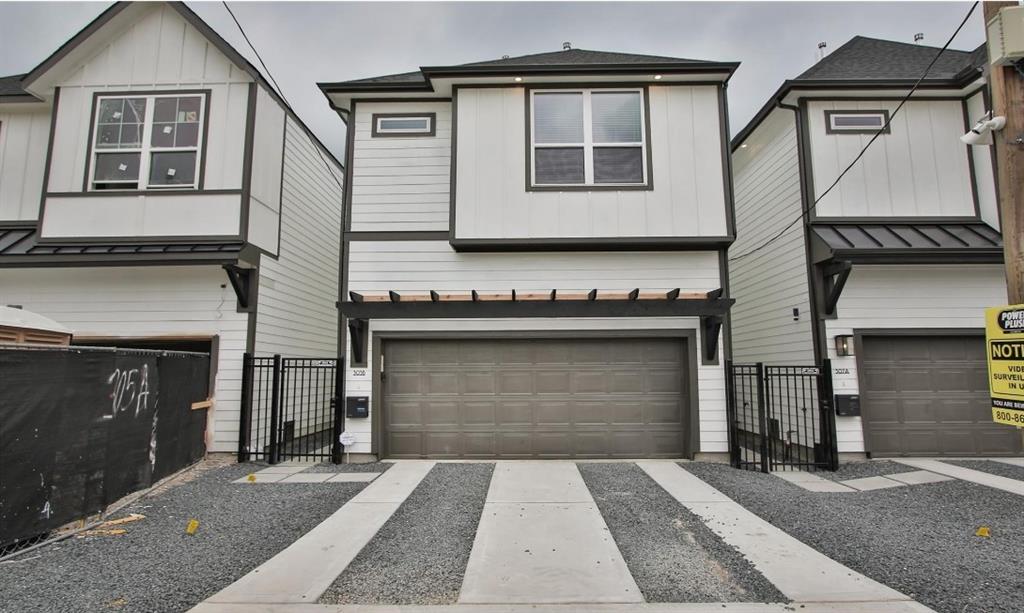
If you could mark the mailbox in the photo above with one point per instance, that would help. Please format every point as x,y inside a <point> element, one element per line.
<point>847,405</point>
<point>357,406</point>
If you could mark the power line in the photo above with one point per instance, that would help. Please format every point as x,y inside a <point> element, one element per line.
<point>881,131</point>
<point>279,91</point>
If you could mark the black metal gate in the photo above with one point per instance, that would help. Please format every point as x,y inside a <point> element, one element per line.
<point>781,417</point>
<point>289,410</point>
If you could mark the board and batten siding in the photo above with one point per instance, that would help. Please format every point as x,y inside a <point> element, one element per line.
<point>401,183</point>
<point>24,134</point>
<point>767,286</point>
<point>146,302</point>
<point>296,314</point>
<point>491,199</point>
<point>157,51</point>
<point>919,169</point>
<point>265,184</point>
<point>424,265</point>
<point>919,296</point>
<point>984,177</point>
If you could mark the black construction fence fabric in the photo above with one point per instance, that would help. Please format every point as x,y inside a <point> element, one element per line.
<point>82,427</point>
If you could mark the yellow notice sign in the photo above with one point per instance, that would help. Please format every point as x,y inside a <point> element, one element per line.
<point>1004,343</point>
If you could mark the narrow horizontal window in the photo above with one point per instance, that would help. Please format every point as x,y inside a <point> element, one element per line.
<point>590,137</point>
<point>147,141</point>
<point>856,122</point>
<point>403,124</point>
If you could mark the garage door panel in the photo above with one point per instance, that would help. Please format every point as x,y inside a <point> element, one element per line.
<point>543,398</point>
<point>927,395</point>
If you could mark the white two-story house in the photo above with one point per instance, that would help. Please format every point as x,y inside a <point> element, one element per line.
<point>889,273</point>
<point>155,192</point>
<point>534,257</point>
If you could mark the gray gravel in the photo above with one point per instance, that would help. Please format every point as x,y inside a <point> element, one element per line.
<point>870,468</point>
<point>671,553</point>
<point>156,566</point>
<point>918,539</point>
<point>996,468</point>
<point>369,467</point>
<point>419,556</point>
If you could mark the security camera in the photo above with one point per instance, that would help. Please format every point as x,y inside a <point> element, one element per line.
<point>980,133</point>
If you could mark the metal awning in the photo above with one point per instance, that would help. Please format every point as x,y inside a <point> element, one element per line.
<point>906,242</point>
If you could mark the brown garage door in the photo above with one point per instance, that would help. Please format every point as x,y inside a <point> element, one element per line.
<point>536,398</point>
<point>928,396</point>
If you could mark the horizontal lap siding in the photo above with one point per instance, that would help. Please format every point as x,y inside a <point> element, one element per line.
<point>906,297</point>
<point>296,313</point>
<point>145,302</point>
<point>424,265</point>
<point>771,283</point>
<point>401,183</point>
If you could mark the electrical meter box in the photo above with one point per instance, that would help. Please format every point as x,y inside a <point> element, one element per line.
<point>1006,36</point>
<point>357,406</point>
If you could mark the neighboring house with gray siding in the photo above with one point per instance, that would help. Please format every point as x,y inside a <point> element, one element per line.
<point>155,192</point>
<point>890,273</point>
<point>534,257</point>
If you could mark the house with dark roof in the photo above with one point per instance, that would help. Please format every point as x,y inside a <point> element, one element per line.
<point>533,257</point>
<point>887,272</point>
<point>156,192</point>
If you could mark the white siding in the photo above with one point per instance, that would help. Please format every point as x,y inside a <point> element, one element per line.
<point>267,156</point>
<point>710,378</point>
<point>920,169</point>
<point>145,302</point>
<point>142,215</point>
<point>906,297</point>
<point>296,314</point>
<point>687,200</point>
<point>768,285</point>
<point>24,133</point>
<point>984,176</point>
<point>399,183</point>
<point>158,51</point>
<point>423,265</point>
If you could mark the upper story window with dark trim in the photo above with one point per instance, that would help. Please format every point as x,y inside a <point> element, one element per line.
<point>587,138</point>
<point>856,122</point>
<point>147,141</point>
<point>403,124</point>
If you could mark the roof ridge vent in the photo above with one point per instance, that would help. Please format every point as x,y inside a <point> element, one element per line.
<point>566,46</point>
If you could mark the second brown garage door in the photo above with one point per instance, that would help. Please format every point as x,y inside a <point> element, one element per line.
<point>535,398</point>
<point>928,396</point>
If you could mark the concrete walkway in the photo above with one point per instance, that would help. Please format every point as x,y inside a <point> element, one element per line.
<point>702,607</point>
<point>541,539</point>
<point>966,474</point>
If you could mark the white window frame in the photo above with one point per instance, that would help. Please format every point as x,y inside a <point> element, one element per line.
<point>832,128</point>
<point>588,143</point>
<point>145,148</point>
<point>427,130</point>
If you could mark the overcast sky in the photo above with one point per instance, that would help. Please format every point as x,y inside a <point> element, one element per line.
<point>306,42</point>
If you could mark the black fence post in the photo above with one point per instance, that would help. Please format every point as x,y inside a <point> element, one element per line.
<point>338,405</point>
<point>762,420</point>
<point>245,412</point>
<point>829,438</point>
<point>275,411</point>
<point>730,416</point>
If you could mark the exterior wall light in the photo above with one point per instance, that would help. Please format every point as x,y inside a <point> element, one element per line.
<point>657,77</point>
<point>844,345</point>
<point>518,79</point>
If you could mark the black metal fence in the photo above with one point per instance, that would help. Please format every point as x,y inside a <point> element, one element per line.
<point>781,417</point>
<point>289,410</point>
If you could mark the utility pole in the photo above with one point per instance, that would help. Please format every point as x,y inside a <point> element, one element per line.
<point>1007,88</point>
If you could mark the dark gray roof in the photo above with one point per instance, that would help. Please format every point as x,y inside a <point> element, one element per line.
<point>570,58</point>
<point>905,240</point>
<point>11,87</point>
<point>872,58</point>
<point>19,246</point>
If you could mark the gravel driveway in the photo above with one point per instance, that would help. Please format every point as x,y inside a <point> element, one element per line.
<point>155,566</point>
<point>918,539</point>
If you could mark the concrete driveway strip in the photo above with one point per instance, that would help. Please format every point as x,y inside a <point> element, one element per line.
<point>301,572</point>
<point>797,570</point>
<point>542,540</point>
<point>702,607</point>
<point>966,474</point>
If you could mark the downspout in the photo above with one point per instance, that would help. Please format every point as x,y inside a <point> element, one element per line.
<point>337,449</point>
<point>806,201</point>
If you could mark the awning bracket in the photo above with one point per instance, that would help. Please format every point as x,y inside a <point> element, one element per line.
<point>241,280</point>
<point>835,275</point>
<point>711,327</point>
